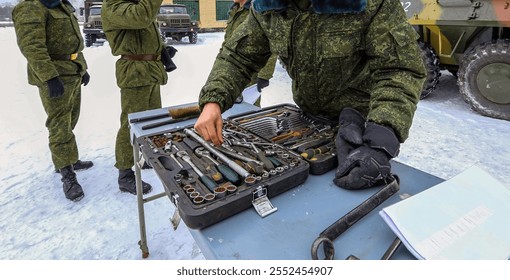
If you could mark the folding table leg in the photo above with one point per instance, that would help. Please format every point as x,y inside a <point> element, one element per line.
<point>140,201</point>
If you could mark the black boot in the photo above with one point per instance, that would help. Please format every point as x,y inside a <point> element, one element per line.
<point>80,165</point>
<point>127,182</point>
<point>72,189</point>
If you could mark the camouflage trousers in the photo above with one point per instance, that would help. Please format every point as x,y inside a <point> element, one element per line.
<point>133,100</point>
<point>62,115</point>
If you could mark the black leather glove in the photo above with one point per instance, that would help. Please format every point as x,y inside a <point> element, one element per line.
<point>262,83</point>
<point>350,133</point>
<point>55,87</point>
<point>369,164</point>
<point>85,79</point>
<point>166,57</point>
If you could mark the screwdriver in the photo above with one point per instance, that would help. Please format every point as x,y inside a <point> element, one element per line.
<point>226,171</point>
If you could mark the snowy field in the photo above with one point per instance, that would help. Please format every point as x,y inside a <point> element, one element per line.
<point>39,223</point>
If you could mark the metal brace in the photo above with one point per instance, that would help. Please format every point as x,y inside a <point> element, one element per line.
<point>261,202</point>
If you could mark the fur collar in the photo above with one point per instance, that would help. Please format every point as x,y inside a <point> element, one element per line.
<point>318,6</point>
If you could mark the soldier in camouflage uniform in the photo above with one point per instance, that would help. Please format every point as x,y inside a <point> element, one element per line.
<point>355,61</point>
<point>237,14</point>
<point>133,34</point>
<point>49,37</point>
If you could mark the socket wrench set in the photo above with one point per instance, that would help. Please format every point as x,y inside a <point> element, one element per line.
<point>209,183</point>
<point>309,136</point>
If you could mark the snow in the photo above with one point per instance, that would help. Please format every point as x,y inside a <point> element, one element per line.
<point>39,223</point>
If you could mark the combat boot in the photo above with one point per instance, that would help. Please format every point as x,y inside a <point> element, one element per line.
<point>72,189</point>
<point>80,165</point>
<point>127,182</point>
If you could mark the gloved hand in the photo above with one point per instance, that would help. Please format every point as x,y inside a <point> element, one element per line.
<point>55,87</point>
<point>171,51</point>
<point>166,58</point>
<point>350,133</point>
<point>262,83</point>
<point>369,165</point>
<point>85,79</point>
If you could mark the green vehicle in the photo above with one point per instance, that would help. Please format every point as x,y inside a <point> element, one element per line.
<point>175,23</point>
<point>92,26</point>
<point>470,39</point>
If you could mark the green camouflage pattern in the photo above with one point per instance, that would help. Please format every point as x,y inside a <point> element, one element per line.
<point>368,61</point>
<point>133,100</point>
<point>63,113</point>
<point>40,32</point>
<point>236,16</point>
<point>132,28</point>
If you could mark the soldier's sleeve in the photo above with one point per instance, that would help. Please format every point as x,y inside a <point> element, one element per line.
<point>397,68</point>
<point>267,71</point>
<point>30,27</point>
<point>242,55</point>
<point>122,14</point>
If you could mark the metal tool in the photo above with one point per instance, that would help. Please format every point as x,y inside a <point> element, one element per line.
<point>241,171</point>
<point>268,165</point>
<point>327,236</point>
<point>226,171</point>
<point>208,182</point>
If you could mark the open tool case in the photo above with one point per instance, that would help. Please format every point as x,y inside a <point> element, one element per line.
<point>311,137</point>
<point>208,184</point>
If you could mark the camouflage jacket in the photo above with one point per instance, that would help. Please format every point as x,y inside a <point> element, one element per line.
<point>131,28</point>
<point>237,15</point>
<point>369,61</point>
<point>42,32</point>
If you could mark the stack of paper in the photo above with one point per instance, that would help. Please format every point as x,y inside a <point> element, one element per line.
<point>464,218</point>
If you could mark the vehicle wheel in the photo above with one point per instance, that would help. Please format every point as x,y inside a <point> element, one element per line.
<point>432,65</point>
<point>193,37</point>
<point>88,40</point>
<point>484,79</point>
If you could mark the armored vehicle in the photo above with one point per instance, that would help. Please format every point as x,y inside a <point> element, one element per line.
<point>470,39</point>
<point>175,23</point>
<point>93,26</point>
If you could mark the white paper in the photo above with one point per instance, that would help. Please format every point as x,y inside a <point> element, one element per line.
<point>464,218</point>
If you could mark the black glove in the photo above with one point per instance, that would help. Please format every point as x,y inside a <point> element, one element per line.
<point>369,165</point>
<point>85,79</point>
<point>262,83</point>
<point>55,87</point>
<point>166,57</point>
<point>350,133</point>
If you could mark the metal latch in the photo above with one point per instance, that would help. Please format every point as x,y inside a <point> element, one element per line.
<point>261,202</point>
<point>176,218</point>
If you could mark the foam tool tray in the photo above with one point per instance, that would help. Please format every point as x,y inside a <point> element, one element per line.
<point>211,183</point>
<point>311,137</point>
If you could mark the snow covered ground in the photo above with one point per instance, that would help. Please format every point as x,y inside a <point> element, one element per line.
<point>38,223</point>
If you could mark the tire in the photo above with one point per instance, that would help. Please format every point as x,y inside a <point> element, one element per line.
<point>484,79</point>
<point>88,40</point>
<point>193,38</point>
<point>431,62</point>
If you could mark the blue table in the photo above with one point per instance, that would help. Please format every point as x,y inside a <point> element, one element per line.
<point>303,213</point>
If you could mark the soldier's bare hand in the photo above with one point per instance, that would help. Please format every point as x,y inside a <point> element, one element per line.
<point>209,124</point>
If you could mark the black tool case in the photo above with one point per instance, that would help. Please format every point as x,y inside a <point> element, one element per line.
<point>310,136</point>
<point>217,192</point>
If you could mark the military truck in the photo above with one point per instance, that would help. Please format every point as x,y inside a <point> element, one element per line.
<point>175,23</point>
<point>470,39</point>
<point>92,26</point>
